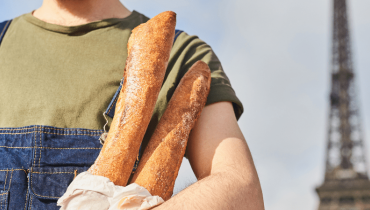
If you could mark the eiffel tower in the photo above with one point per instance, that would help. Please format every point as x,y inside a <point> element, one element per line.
<point>346,185</point>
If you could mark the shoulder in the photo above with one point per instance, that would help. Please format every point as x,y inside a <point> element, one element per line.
<point>190,48</point>
<point>12,21</point>
<point>184,41</point>
<point>4,24</point>
<point>187,50</point>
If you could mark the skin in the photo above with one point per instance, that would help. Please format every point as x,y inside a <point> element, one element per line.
<point>78,12</point>
<point>222,162</point>
<point>217,150</point>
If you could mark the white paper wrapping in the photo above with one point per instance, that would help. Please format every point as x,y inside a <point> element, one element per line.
<point>90,192</point>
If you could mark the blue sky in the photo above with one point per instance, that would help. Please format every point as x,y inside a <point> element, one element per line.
<point>277,56</point>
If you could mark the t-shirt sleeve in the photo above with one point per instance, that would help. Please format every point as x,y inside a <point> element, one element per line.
<point>188,50</point>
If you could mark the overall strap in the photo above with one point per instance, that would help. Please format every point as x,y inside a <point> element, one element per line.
<point>3,28</point>
<point>177,33</point>
<point>112,105</point>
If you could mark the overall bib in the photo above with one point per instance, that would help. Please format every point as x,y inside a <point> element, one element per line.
<point>39,162</point>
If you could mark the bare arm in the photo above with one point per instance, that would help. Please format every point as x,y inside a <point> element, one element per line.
<point>221,160</point>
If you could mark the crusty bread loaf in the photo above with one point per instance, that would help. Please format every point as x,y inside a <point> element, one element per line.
<point>149,49</point>
<point>161,160</point>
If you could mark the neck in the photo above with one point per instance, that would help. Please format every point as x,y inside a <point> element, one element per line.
<point>78,12</point>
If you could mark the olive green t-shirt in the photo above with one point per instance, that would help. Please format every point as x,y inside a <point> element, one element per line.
<point>66,76</point>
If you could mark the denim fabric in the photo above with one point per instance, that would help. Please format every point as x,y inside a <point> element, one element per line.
<point>177,33</point>
<point>38,163</point>
<point>3,28</point>
<point>112,105</point>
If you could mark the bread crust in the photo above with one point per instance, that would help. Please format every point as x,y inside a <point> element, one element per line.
<point>149,49</point>
<point>161,160</point>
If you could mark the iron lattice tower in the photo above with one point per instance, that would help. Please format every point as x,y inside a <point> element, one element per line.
<point>346,185</point>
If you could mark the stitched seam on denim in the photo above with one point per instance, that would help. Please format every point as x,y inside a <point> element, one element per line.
<point>2,199</point>
<point>34,147</point>
<point>36,172</point>
<point>45,173</point>
<point>38,194</point>
<point>98,134</point>
<point>51,128</point>
<point>6,178</point>
<point>6,25</point>
<point>28,187</point>
<point>56,129</point>
<point>31,202</point>
<point>40,151</point>
<point>16,133</point>
<point>16,147</point>
<point>31,183</point>
<point>47,148</point>
<point>11,177</point>
<point>71,129</point>
<point>20,169</point>
<point>1,203</point>
<point>45,196</point>
<point>16,129</point>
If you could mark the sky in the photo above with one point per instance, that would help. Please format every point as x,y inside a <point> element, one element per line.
<point>277,56</point>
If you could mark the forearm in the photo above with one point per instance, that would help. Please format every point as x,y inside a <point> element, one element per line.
<point>223,190</point>
<point>232,184</point>
<point>220,158</point>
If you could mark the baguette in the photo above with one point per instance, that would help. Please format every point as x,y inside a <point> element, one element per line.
<point>161,160</point>
<point>149,49</point>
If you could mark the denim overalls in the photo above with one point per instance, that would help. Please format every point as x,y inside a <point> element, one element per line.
<point>39,162</point>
